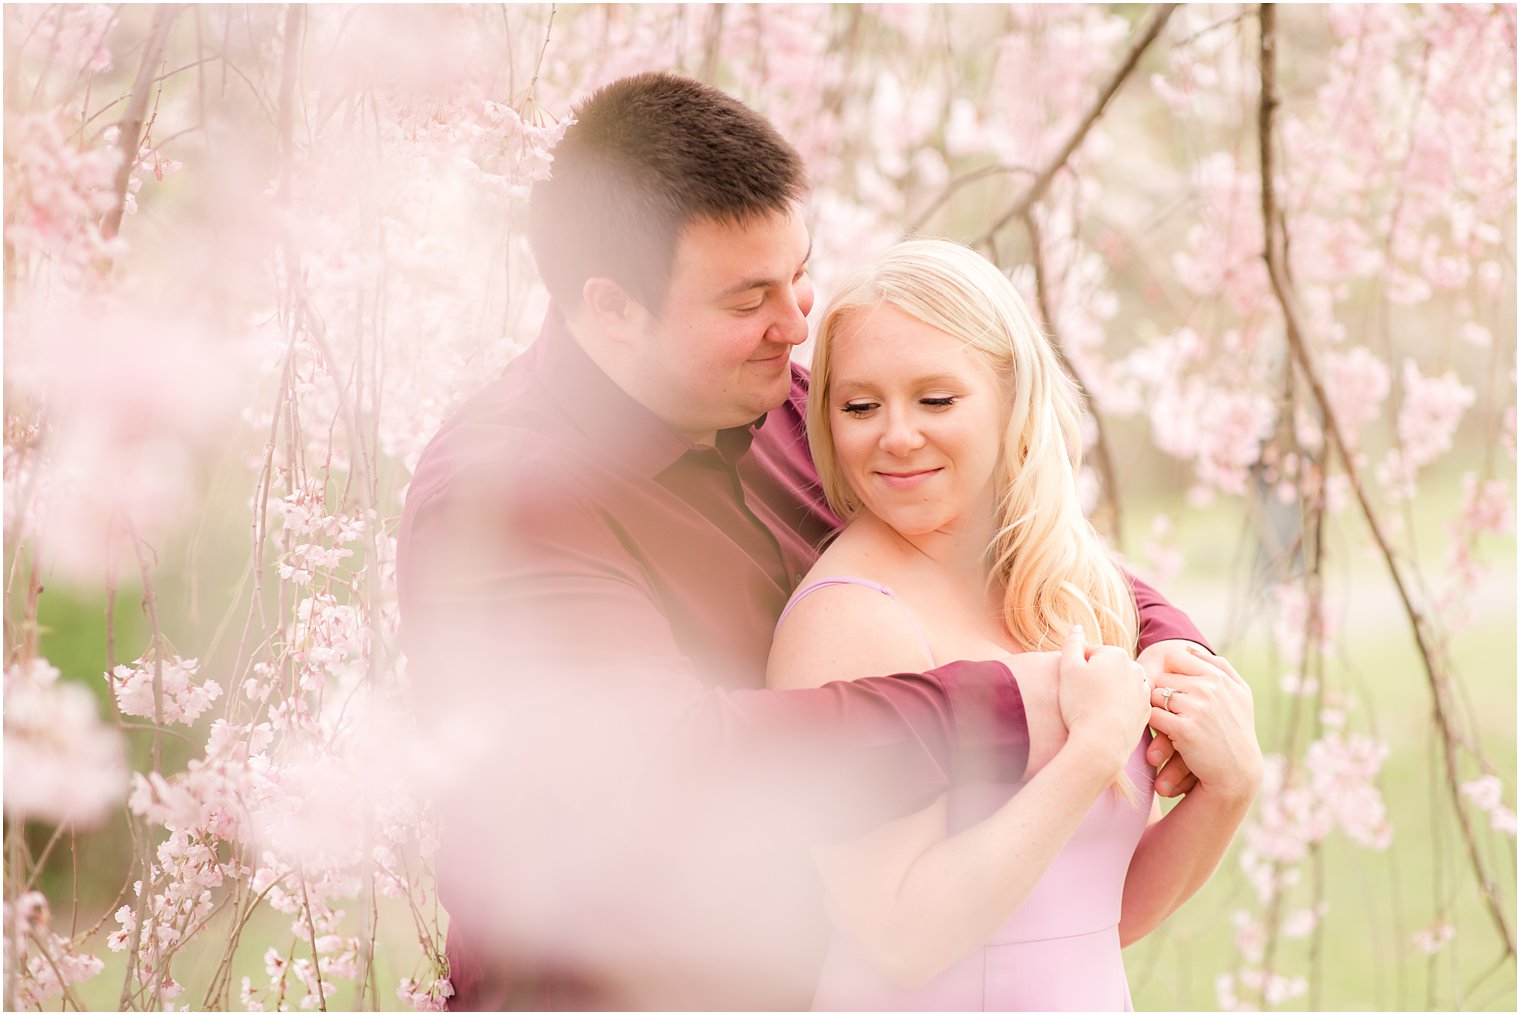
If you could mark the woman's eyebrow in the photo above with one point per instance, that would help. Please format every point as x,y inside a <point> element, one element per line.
<point>949,380</point>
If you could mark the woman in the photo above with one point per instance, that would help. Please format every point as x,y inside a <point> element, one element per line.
<point>944,429</point>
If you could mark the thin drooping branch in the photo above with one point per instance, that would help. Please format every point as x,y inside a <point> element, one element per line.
<point>954,186</point>
<point>1105,461</point>
<point>131,126</point>
<point>1429,644</point>
<point>290,67</point>
<point>1047,173</point>
<point>709,71</point>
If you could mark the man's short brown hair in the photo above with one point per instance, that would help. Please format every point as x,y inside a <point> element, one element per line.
<point>646,156</point>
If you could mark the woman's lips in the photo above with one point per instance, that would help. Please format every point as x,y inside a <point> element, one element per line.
<point>907,480</point>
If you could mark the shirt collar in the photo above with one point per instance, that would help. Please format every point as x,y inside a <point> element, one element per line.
<point>620,427</point>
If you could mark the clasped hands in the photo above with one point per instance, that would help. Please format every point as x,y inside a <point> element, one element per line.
<point>1201,709</point>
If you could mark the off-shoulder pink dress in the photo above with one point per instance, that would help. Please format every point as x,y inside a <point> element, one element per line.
<point>1058,952</point>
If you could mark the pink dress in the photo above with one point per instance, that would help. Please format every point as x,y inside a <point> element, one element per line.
<point>1058,952</point>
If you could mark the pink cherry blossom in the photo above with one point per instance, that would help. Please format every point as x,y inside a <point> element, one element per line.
<point>183,698</point>
<point>62,764</point>
<point>47,962</point>
<point>1433,938</point>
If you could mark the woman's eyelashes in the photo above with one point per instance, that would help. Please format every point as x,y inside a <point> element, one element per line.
<point>864,408</point>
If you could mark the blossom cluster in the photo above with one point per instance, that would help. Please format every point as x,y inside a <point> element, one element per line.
<point>63,765</point>
<point>164,690</point>
<point>46,963</point>
<point>56,191</point>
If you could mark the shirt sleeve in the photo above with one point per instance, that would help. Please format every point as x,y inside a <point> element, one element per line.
<point>525,615</point>
<point>1159,620</point>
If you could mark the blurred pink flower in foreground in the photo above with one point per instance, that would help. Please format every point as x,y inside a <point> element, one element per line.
<point>62,764</point>
<point>56,192</point>
<point>129,405</point>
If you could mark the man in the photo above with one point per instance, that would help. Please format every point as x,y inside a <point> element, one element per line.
<point>592,559</point>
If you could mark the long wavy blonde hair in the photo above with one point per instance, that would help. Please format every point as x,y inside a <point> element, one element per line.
<point>1049,561</point>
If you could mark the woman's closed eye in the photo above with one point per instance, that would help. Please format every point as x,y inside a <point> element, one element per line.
<point>859,408</point>
<point>938,401</point>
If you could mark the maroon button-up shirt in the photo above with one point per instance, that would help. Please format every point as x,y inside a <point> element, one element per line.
<point>587,604</point>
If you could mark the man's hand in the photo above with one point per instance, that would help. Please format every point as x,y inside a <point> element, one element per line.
<point>1176,778</point>
<point>1202,711</point>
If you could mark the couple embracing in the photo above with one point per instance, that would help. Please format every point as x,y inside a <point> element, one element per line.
<point>754,689</point>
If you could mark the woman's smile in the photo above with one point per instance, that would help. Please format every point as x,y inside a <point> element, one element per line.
<point>904,479</point>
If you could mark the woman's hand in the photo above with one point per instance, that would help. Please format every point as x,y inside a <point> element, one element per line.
<point>1206,709</point>
<point>1104,697</point>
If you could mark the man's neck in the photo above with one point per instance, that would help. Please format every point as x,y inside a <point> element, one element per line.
<point>605,358</point>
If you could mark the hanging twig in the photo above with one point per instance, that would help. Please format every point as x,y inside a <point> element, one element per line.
<point>295,15</point>
<point>1047,313</point>
<point>956,184</point>
<point>1422,626</point>
<point>709,72</point>
<point>131,126</point>
<point>1074,140</point>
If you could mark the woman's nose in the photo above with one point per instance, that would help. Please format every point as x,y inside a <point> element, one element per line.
<point>901,435</point>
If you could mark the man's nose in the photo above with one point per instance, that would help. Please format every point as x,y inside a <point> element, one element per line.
<point>792,327</point>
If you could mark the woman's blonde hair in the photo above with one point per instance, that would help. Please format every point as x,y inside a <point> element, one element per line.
<point>1053,567</point>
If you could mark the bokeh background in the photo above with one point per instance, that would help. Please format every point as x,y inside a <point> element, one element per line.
<point>253,255</point>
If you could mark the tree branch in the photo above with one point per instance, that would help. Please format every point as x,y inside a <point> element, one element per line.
<point>1427,639</point>
<point>130,137</point>
<point>956,184</point>
<point>1074,140</point>
<point>1047,313</point>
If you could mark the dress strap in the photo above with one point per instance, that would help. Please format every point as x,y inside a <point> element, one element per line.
<point>824,583</point>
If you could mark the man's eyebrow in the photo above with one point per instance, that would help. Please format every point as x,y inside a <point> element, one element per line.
<point>761,283</point>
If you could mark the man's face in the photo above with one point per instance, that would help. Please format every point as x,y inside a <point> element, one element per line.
<point>718,355</point>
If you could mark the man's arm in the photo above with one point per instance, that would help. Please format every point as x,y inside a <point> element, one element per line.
<point>526,617</point>
<point>1159,620</point>
<point>1209,713</point>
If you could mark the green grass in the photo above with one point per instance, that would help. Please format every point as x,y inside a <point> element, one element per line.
<point>1376,899</point>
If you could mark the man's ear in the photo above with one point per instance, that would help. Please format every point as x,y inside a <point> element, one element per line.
<point>611,310</point>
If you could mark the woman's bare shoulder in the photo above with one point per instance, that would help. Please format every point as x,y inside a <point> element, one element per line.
<point>845,630</point>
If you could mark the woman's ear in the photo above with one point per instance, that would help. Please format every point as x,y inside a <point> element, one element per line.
<point>612,311</point>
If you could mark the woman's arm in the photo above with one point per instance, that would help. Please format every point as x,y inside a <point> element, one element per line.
<point>916,903</point>
<point>914,899</point>
<point>1210,716</point>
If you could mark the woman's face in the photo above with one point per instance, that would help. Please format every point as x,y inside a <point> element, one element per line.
<point>917,418</point>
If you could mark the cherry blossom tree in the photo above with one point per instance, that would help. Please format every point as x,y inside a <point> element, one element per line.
<point>254,255</point>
